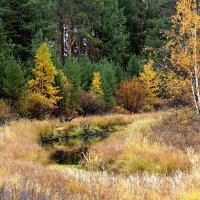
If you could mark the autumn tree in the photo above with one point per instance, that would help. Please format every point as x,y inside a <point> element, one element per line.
<point>178,90</point>
<point>150,81</point>
<point>185,45</point>
<point>42,88</point>
<point>96,84</point>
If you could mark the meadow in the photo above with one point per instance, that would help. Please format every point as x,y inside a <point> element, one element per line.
<point>146,156</point>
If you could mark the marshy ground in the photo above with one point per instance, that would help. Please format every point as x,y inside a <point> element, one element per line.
<point>143,156</point>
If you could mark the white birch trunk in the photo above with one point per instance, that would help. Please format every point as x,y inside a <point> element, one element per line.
<point>193,87</point>
<point>196,68</point>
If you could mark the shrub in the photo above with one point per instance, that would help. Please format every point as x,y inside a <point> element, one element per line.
<point>119,110</point>
<point>35,106</point>
<point>5,111</point>
<point>90,103</point>
<point>130,95</point>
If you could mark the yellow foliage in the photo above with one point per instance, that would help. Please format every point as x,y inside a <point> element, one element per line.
<point>64,80</point>
<point>37,98</point>
<point>185,43</point>
<point>177,85</point>
<point>150,80</point>
<point>96,84</point>
<point>45,72</point>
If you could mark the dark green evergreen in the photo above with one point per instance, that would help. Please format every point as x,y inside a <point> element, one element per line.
<point>134,66</point>
<point>22,19</point>
<point>13,83</point>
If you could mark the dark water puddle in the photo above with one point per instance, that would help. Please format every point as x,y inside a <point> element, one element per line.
<point>80,144</point>
<point>69,157</point>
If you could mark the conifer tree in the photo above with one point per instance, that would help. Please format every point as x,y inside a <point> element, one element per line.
<point>64,91</point>
<point>150,81</point>
<point>134,66</point>
<point>13,83</point>
<point>96,84</point>
<point>109,80</point>
<point>44,73</point>
<point>5,55</point>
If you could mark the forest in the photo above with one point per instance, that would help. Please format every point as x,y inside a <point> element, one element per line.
<point>99,99</point>
<point>88,57</point>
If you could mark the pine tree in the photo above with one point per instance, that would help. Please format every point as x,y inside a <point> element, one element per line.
<point>134,66</point>
<point>112,32</point>
<point>64,91</point>
<point>3,54</point>
<point>147,21</point>
<point>21,22</point>
<point>44,73</point>
<point>109,80</point>
<point>14,82</point>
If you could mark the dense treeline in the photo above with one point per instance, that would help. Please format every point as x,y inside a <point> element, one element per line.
<point>79,56</point>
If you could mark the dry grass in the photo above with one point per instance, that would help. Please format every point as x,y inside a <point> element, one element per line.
<point>130,150</point>
<point>25,174</point>
<point>103,122</point>
<point>21,141</point>
<point>179,129</point>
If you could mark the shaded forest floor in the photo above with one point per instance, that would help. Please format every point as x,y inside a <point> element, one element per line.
<point>144,156</point>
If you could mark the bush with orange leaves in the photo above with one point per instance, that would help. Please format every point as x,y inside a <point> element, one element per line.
<point>131,95</point>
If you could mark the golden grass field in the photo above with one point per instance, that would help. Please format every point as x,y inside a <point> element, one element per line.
<point>155,156</point>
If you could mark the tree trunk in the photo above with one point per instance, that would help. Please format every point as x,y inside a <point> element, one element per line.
<point>196,68</point>
<point>194,94</point>
<point>62,45</point>
<point>70,40</point>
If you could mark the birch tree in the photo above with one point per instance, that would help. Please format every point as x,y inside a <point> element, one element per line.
<point>185,45</point>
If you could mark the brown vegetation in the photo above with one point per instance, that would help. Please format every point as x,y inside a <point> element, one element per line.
<point>90,103</point>
<point>25,171</point>
<point>131,95</point>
